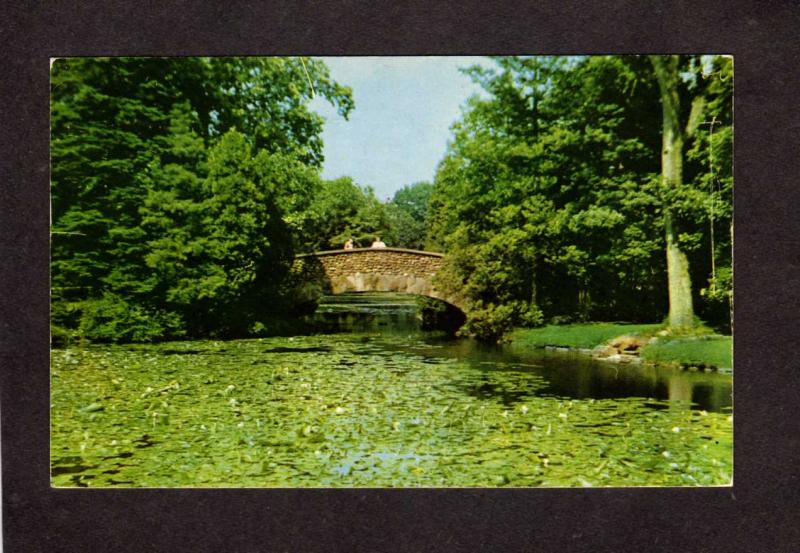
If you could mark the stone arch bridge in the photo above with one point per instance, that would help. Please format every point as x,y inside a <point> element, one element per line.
<point>373,270</point>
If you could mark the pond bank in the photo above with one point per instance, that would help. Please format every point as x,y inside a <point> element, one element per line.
<point>633,343</point>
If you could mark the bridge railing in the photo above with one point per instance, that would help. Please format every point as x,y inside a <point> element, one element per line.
<point>357,250</point>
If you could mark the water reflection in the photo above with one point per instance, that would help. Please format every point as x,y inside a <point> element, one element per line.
<point>377,312</point>
<point>566,374</point>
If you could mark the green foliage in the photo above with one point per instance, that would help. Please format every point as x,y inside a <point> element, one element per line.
<point>710,161</point>
<point>220,256</point>
<point>267,100</point>
<point>720,288</point>
<point>184,186</point>
<point>111,318</point>
<point>179,187</point>
<point>408,212</point>
<point>549,195</point>
<point>342,210</point>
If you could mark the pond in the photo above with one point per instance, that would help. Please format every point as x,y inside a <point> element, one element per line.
<point>370,400</point>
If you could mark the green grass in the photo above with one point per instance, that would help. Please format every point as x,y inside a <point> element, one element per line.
<point>703,350</point>
<point>577,335</point>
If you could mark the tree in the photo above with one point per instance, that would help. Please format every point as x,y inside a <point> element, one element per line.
<point>553,180</point>
<point>709,161</point>
<point>165,217</point>
<point>340,210</point>
<point>696,183</point>
<point>266,100</point>
<point>667,70</point>
<point>408,212</point>
<point>220,255</point>
<point>549,202</point>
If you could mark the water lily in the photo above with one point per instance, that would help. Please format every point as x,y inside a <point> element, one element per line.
<point>392,404</point>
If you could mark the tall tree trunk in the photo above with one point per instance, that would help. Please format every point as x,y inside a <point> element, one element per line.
<point>534,298</point>
<point>681,311</point>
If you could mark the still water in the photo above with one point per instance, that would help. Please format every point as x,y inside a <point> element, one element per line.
<point>369,399</point>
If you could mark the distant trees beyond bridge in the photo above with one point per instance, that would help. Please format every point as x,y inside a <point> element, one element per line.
<point>373,270</point>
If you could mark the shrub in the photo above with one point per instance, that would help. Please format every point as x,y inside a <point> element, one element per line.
<point>112,319</point>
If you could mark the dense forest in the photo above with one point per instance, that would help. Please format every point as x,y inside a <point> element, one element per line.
<point>183,188</point>
<point>551,201</point>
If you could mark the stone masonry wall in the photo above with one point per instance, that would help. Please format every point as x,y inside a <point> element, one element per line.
<point>380,262</point>
<point>367,269</point>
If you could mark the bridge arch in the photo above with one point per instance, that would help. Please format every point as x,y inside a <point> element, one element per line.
<point>374,270</point>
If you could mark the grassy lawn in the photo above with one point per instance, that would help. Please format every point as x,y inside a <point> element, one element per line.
<point>577,335</point>
<point>702,350</point>
<point>710,350</point>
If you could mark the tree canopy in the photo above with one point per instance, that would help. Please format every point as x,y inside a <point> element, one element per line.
<point>408,212</point>
<point>178,189</point>
<point>549,199</point>
<point>182,188</point>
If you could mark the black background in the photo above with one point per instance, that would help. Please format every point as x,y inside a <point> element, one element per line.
<point>760,513</point>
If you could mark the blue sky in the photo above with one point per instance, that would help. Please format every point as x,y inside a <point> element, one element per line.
<point>399,129</point>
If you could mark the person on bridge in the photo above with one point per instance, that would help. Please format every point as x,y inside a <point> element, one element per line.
<point>377,243</point>
<point>349,244</point>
